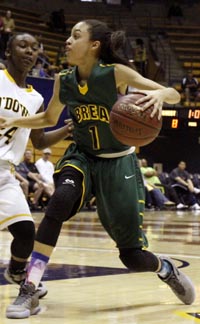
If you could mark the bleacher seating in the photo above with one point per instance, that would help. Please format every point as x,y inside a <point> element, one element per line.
<point>32,22</point>
<point>57,150</point>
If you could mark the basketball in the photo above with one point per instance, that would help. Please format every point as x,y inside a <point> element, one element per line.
<point>132,126</point>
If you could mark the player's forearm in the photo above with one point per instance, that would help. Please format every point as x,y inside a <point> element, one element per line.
<point>34,122</point>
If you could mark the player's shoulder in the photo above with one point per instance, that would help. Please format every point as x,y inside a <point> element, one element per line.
<point>33,92</point>
<point>66,72</point>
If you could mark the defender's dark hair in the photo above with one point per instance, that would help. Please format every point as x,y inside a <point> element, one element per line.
<point>113,43</point>
<point>13,37</point>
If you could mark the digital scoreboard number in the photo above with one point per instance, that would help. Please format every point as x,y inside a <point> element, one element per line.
<point>193,114</point>
<point>174,123</point>
<point>181,118</point>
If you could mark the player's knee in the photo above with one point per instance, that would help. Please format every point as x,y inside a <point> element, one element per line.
<point>23,231</point>
<point>63,203</point>
<point>138,260</point>
<point>24,234</point>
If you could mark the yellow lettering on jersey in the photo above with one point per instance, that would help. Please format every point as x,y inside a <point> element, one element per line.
<point>103,114</point>
<point>14,105</point>
<point>91,112</point>
<point>85,113</point>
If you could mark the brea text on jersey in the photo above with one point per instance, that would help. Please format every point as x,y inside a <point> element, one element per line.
<point>91,112</point>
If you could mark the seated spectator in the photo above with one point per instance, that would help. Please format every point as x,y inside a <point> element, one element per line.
<point>190,88</point>
<point>182,183</point>
<point>140,56</point>
<point>43,67</point>
<point>8,28</point>
<point>154,190</point>
<point>24,183</point>
<point>46,168</point>
<point>57,21</point>
<point>90,205</point>
<point>61,60</point>
<point>149,173</point>
<point>155,198</point>
<point>151,177</point>
<point>1,38</point>
<point>28,171</point>
<point>175,13</point>
<point>38,70</point>
<point>196,180</point>
<point>40,43</point>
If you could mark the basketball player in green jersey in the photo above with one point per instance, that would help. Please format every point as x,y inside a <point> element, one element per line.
<point>96,163</point>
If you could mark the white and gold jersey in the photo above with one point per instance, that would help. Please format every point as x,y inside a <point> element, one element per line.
<point>15,102</point>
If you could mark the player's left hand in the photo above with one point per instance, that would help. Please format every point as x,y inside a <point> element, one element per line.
<point>69,127</point>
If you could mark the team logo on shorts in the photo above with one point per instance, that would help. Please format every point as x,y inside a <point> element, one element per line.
<point>70,182</point>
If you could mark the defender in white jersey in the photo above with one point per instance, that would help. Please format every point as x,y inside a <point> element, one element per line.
<point>19,99</point>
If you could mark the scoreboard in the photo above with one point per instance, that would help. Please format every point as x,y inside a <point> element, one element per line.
<point>181,119</point>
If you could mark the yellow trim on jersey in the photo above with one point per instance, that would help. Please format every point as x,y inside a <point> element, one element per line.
<point>104,65</point>
<point>65,72</point>
<point>13,217</point>
<point>83,183</point>
<point>83,89</point>
<point>29,86</point>
<point>141,201</point>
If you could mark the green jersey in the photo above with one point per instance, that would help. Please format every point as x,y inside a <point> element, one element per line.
<point>110,170</point>
<point>90,108</point>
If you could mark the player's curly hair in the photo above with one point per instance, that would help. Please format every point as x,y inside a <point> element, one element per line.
<point>113,43</point>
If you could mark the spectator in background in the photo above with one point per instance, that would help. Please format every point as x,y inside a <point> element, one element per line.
<point>43,67</point>
<point>29,171</point>
<point>153,181</point>
<point>182,183</point>
<point>1,38</point>
<point>26,172</point>
<point>8,28</point>
<point>140,56</point>
<point>24,183</point>
<point>38,70</point>
<point>61,60</point>
<point>40,43</point>
<point>175,13</point>
<point>57,21</point>
<point>190,87</point>
<point>155,198</point>
<point>154,188</point>
<point>46,168</point>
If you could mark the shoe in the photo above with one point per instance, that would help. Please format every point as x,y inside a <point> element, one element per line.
<point>195,207</point>
<point>15,277</point>
<point>169,203</point>
<point>180,284</point>
<point>19,277</point>
<point>26,304</point>
<point>181,206</point>
<point>196,190</point>
<point>42,290</point>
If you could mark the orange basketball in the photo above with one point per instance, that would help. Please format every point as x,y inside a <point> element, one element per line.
<point>132,126</point>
